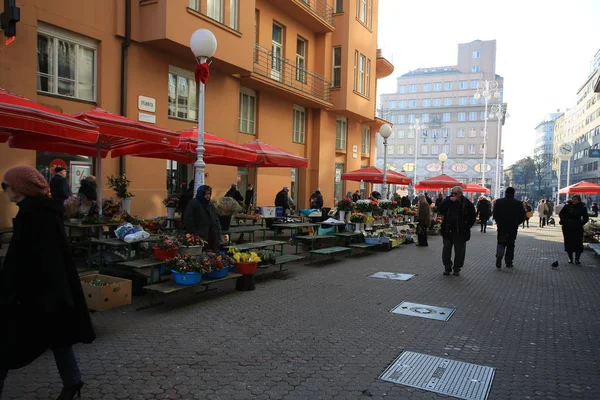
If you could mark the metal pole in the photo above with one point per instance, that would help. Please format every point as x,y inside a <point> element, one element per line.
<point>99,178</point>
<point>568,174</point>
<point>199,165</point>
<point>416,157</point>
<point>498,144</point>
<point>558,186</point>
<point>384,188</point>
<point>484,166</point>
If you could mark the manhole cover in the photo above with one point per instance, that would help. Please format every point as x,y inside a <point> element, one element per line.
<point>440,375</point>
<point>392,275</point>
<point>423,311</point>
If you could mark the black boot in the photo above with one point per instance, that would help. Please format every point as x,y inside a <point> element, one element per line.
<point>498,262</point>
<point>70,392</point>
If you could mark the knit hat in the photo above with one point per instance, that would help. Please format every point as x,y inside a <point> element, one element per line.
<point>26,180</point>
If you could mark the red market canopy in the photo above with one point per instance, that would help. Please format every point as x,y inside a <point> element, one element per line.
<point>582,187</point>
<point>273,157</point>
<point>375,175</point>
<point>438,182</point>
<point>21,116</point>
<point>475,188</point>
<point>217,150</point>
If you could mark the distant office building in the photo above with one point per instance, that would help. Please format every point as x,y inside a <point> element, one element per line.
<point>543,150</point>
<point>595,64</point>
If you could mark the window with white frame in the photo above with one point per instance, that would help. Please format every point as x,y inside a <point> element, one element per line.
<point>473,101</point>
<point>446,117</point>
<point>471,149</point>
<point>435,149</point>
<point>473,132</point>
<point>462,116</point>
<point>364,11</point>
<point>183,97</point>
<point>412,88</point>
<point>437,102</point>
<point>482,115</point>
<point>460,133</point>
<point>194,5</point>
<point>400,149</point>
<point>476,54</point>
<point>365,143</point>
<point>482,133</point>
<point>410,149</point>
<point>403,89</point>
<point>402,103</point>
<point>393,104</point>
<point>473,116</point>
<point>214,10</point>
<point>362,74</point>
<point>401,134</point>
<point>337,67</point>
<point>341,133</point>
<point>300,59</point>
<point>424,149</point>
<point>426,102</point>
<point>338,7</point>
<point>412,103</point>
<point>234,9</point>
<point>460,149</point>
<point>427,87</point>
<point>445,132</point>
<point>462,101</point>
<point>437,86</point>
<point>448,101</point>
<point>446,148</point>
<point>435,133</point>
<point>482,149</point>
<point>66,63</point>
<point>247,120</point>
<point>411,118</point>
<point>475,68</point>
<point>393,119</point>
<point>447,85</point>
<point>411,134</point>
<point>425,117</point>
<point>390,150</point>
<point>463,84</point>
<point>401,119</point>
<point>299,124</point>
<point>474,84</point>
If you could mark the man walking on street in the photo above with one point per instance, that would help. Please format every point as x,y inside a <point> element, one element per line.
<point>508,214</point>
<point>459,217</point>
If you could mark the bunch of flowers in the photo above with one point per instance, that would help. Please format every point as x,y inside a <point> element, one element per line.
<point>168,243</point>
<point>243,257</point>
<point>111,207</point>
<point>214,261</point>
<point>364,206</point>
<point>184,263</point>
<point>388,204</point>
<point>346,204</point>
<point>227,206</point>
<point>358,217</point>
<point>433,208</point>
<point>190,240</point>
<point>369,220</point>
<point>171,202</point>
<point>267,256</point>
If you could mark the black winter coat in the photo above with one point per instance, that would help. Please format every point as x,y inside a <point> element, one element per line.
<point>42,304</point>
<point>282,199</point>
<point>459,217</point>
<point>508,213</point>
<point>484,210</point>
<point>572,218</point>
<point>203,220</point>
<point>59,188</point>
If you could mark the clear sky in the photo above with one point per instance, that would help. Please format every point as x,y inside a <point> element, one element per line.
<point>544,49</point>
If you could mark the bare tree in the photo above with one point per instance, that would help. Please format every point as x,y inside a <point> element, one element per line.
<point>542,169</point>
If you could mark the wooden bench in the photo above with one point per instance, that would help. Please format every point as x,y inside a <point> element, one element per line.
<point>329,251</point>
<point>363,246</point>
<point>312,239</point>
<point>595,247</point>
<point>282,260</point>
<point>262,245</point>
<point>143,264</point>
<point>170,287</point>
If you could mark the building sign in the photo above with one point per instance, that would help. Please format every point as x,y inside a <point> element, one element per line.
<point>79,170</point>
<point>477,167</point>
<point>594,153</point>
<point>459,167</point>
<point>407,167</point>
<point>433,167</point>
<point>149,118</point>
<point>57,162</point>
<point>146,104</point>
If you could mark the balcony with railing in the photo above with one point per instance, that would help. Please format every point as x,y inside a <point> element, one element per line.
<point>383,67</point>
<point>278,73</point>
<point>317,15</point>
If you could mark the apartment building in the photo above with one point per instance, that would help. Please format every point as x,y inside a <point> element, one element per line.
<point>443,98</point>
<point>296,74</point>
<point>544,150</point>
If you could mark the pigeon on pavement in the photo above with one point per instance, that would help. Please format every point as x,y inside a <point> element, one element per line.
<point>555,264</point>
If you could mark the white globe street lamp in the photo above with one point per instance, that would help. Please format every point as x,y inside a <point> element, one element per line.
<point>487,90</point>
<point>203,44</point>
<point>498,111</point>
<point>443,157</point>
<point>417,126</point>
<point>385,131</point>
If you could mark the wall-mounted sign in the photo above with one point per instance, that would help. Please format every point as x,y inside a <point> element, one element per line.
<point>354,155</point>
<point>594,153</point>
<point>79,170</point>
<point>149,118</point>
<point>477,167</point>
<point>407,167</point>
<point>354,148</point>
<point>146,104</point>
<point>433,167</point>
<point>459,167</point>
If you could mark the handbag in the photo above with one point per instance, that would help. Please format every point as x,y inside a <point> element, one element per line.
<point>529,214</point>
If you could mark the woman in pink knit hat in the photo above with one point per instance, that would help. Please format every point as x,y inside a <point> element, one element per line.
<point>41,301</point>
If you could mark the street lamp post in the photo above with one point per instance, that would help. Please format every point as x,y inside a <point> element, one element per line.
<point>385,131</point>
<point>203,44</point>
<point>417,126</point>
<point>498,111</point>
<point>443,157</point>
<point>487,90</point>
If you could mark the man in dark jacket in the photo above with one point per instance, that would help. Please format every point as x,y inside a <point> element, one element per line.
<point>508,213</point>
<point>283,199</point>
<point>459,217</point>
<point>59,187</point>
<point>316,200</point>
<point>484,212</point>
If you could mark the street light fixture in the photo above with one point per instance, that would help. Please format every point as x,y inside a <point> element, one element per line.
<point>203,44</point>
<point>443,157</point>
<point>385,131</point>
<point>498,111</point>
<point>487,90</point>
<point>417,126</point>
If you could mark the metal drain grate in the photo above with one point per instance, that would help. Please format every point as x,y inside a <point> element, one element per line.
<point>392,275</point>
<point>440,375</point>
<point>423,311</point>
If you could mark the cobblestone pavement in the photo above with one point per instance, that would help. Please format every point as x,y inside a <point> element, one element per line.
<point>326,332</point>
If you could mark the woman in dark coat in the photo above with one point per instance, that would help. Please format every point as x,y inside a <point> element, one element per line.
<point>201,218</point>
<point>424,214</point>
<point>42,305</point>
<point>573,217</point>
<point>484,212</point>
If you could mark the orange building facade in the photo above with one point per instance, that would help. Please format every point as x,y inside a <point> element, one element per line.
<point>299,75</point>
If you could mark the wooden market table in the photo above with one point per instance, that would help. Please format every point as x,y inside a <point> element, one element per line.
<point>89,231</point>
<point>250,229</point>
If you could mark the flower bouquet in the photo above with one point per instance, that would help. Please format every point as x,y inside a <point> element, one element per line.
<point>111,207</point>
<point>171,202</point>
<point>365,206</point>
<point>216,264</point>
<point>358,218</point>
<point>191,244</point>
<point>166,247</point>
<point>245,262</point>
<point>186,269</point>
<point>346,204</point>
<point>267,257</point>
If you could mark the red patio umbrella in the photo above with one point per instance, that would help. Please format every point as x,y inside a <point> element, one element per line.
<point>217,150</point>
<point>375,175</point>
<point>19,115</point>
<point>438,182</point>
<point>582,187</point>
<point>273,157</point>
<point>475,188</point>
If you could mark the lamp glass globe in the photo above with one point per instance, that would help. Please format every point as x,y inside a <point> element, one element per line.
<point>385,131</point>
<point>443,157</point>
<point>203,43</point>
<point>496,94</point>
<point>477,96</point>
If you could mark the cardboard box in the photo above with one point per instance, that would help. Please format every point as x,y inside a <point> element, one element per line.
<point>99,298</point>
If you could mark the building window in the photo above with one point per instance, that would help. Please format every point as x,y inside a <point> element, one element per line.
<point>473,132</point>
<point>460,149</point>
<point>473,101</point>
<point>403,89</point>
<point>437,102</point>
<point>475,68</point>
<point>401,134</point>
<point>435,149</point>
<point>448,101</point>
<point>400,149</point>
<point>402,104</point>
<point>299,124</point>
<point>446,148</point>
<point>473,116</point>
<point>401,119</point>
<point>393,121</point>
<point>476,54</point>
<point>393,104</point>
<point>341,133</point>
<point>362,75</point>
<point>411,118</point>
<point>482,115</point>
<point>215,10</point>
<point>482,149</point>
<point>460,133</point>
<point>425,117</point>
<point>426,102</point>
<point>390,150</point>
<point>445,132</point>
<point>301,59</point>
<point>437,87</point>
<point>462,116</point>
<point>474,84</point>
<point>66,63</point>
<point>364,11</point>
<point>247,119</point>
<point>412,88</point>
<point>463,84</point>
<point>183,97</point>
<point>482,133</point>
<point>233,14</point>
<point>338,6</point>
<point>365,145</point>
<point>462,101</point>
<point>427,87</point>
<point>412,103</point>
<point>337,67</point>
<point>424,149</point>
<point>446,117</point>
<point>471,149</point>
<point>448,86</point>
<point>410,149</point>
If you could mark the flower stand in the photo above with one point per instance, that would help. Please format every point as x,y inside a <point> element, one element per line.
<point>217,273</point>
<point>126,205</point>
<point>163,255</point>
<point>188,278</point>
<point>342,215</point>
<point>191,250</point>
<point>358,227</point>
<point>171,212</point>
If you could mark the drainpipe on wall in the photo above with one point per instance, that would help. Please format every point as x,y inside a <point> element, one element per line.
<point>124,62</point>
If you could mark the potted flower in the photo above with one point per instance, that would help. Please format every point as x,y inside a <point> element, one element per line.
<point>171,203</point>
<point>166,247</point>
<point>358,219</point>
<point>120,184</point>
<point>387,206</point>
<point>111,207</point>
<point>227,207</point>
<point>190,244</point>
<point>245,262</point>
<point>186,269</point>
<point>267,257</point>
<point>345,205</point>
<point>218,263</point>
<point>365,206</point>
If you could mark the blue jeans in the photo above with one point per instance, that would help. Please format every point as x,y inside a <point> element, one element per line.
<point>65,360</point>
